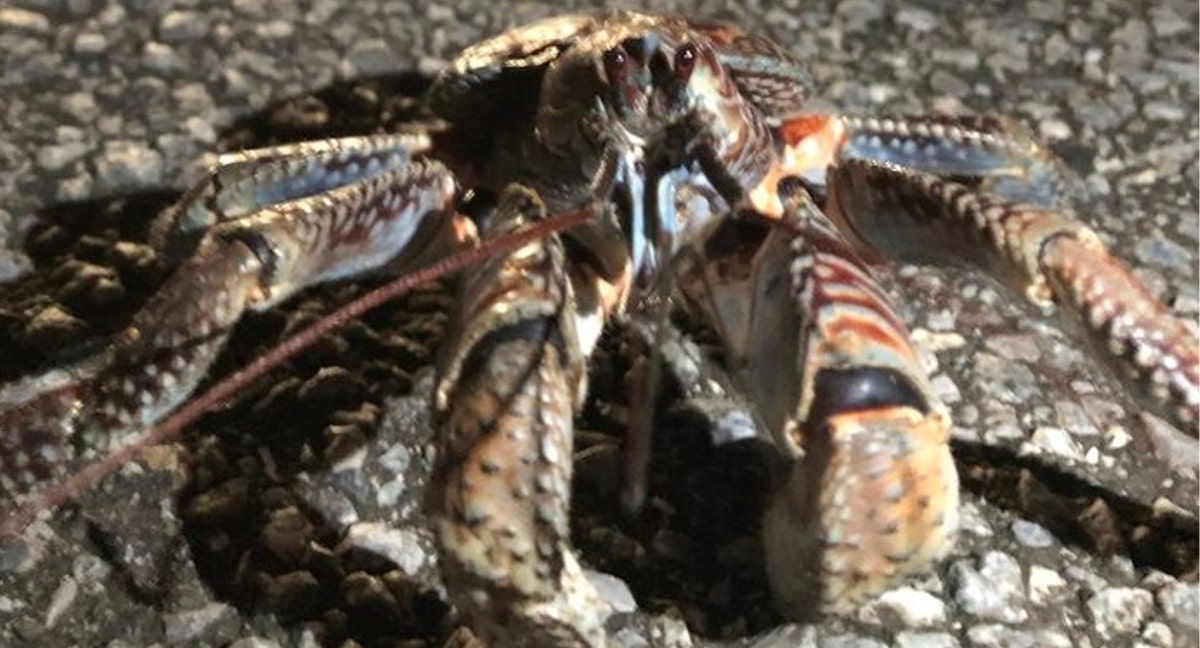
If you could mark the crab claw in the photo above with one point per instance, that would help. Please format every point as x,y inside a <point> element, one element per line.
<point>874,499</point>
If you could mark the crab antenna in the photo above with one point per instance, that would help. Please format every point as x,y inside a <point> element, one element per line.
<point>16,521</point>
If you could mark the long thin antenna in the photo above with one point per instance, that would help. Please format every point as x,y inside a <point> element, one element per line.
<point>238,381</point>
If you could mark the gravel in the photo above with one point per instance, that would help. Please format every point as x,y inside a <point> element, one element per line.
<point>1073,520</point>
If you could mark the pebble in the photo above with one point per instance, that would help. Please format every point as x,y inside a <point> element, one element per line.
<point>1057,441</point>
<point>75,188</point>
<point>1001,636</point>
<point>128,165</point>
<point>1163,253</point>
<point>178,25</point>
<point>161,58</point>
<point>1164,111</point>
<point>1014,345</point>
<point>917,19</point>
<point>1074,417</point>
<point>61,600</point>
<point>940,341</point>
<point>994,591</point>
<point>89,570</point>
<point>1046,586</point>
<point>293,594</point>
<point>89,43</point>
<point>214,623</point>
<point>369,592</point>
<point>370,56</point>
<point>1031,534</point>
<point>24,20</point>
<point>858,14</point>
<point>908,607</point>
<point>276,29</point>
<point>786,636</point>
<point>1158,634</point>
<point>50,326</point>
<point>1119,611</point>
<point>56,156</point>
<point>81,106</point>
<point>910,639</point>
<point>328,503</point>
<point>286,535</point>
<point>1181,602</point>
<point>1005,380</point>
<point>851,641</point>
<point>403,547</point>
<point>1055,129</point>
<point>193,98</point>
<point>200,129</point>
<point>255,642</point>
<point>613,591</point>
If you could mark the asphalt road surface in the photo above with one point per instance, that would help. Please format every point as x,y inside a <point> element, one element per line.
<point>106,99</point>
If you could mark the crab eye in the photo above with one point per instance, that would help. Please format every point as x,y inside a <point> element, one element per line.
<point>685,61</point>
<point>615,64</point>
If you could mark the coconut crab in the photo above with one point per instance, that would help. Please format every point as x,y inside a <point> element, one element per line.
<point>708,181</point>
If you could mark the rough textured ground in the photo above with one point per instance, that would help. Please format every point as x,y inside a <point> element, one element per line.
<point>1077,531</point>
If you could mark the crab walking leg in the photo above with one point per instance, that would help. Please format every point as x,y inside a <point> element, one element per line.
<point>1052,257</point>
<point>509,382</point>
<point>243,182</point>
<point>249,262</point>
<point>997,151</point>
<point>872,494</point>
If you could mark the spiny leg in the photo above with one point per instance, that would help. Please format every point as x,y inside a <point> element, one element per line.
<point>872,493</point>
<point>1051,257</point>
<point>254,255</point>
<point>243,182</point>
<point>996,152</point>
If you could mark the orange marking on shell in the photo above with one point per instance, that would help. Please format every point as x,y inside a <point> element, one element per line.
<point>810,143</point>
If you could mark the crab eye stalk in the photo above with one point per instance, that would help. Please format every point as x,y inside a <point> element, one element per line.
<point>616,64</point>
<point>685,61</point>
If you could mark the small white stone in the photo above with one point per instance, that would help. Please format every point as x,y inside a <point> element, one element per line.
<point>938,341</point>
<point>61,599</point>
<point>1057,441</point>
<point>1055,129</point>
<point>1046,586</point>
<point>910,607</point>
<point>401,546</point>
<point>909,639</point>
<point>1181,602</point>
<point>1157,633</point>
<point>1119,611</point>
<point>24,20</point>
<point>614,591</point>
